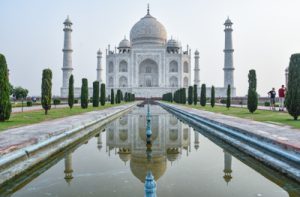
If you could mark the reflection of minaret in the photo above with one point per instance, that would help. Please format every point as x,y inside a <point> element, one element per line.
<point>68,168</point>
<point>227,167</point>
<point>150,185</point>
<point>196,143</point>
<point>99,141</point>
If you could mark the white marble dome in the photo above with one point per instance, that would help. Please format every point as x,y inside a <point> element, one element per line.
<point>148,31</point>
<point>124,43</point>
<point>173,43</point>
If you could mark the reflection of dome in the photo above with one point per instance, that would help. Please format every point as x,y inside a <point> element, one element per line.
<point>148,31</point>
<point>172,154</point>
<point>139,166</point>
<point>124,154</point>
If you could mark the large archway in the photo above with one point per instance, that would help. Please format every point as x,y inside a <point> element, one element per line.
<point>148,73</point>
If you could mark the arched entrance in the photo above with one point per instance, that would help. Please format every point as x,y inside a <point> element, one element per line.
<point>148,73</point>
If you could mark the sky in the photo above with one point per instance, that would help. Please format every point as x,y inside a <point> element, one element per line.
<point>266,33</point>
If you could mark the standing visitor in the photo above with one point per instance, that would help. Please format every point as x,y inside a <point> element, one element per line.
<point>272,95</point>
<point>281,93</point>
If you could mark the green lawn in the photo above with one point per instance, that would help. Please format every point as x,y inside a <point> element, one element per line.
<point>31,117</point>
<point>278,118</point>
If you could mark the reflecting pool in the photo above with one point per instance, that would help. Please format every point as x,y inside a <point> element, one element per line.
<point>178,161</point>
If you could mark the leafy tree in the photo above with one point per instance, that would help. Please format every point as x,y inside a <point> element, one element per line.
<point>5,105</point>
<point>252,94</point>
<point>190,95</point>
<point>103,96</point>
<point>20,93</point>
<point>293,93</point>
<point>195,94</point>
<point>228,99</point>
<point>96,93</point>
<point>212,97</point>
<point>46,90</point>
<point>84,94</point>
<point>71,92</point>
<point>203,95</point>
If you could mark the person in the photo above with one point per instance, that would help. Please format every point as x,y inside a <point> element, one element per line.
<point>281,94</point>
<point>272,95</point>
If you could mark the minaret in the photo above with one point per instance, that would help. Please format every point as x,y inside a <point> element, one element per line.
<point>68,168</point>
<point>286,76</point>
<point>228,55</point>
<point>197,69</point>
<point>99,66</point>
<point>67,50</point>
<point>227,167</point>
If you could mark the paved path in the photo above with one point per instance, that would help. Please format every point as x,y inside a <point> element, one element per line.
<point>283,135</point>
<point>37,107</point>
<point>17,138</point>
<point>245,106</point>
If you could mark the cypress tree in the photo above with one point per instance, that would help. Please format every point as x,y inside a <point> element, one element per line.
<point>103,96</point>
<point>96,94</point>
<point>293,93</point>
<point>195,95</point>
<point>71,92</point>
<point>212,97</point>
<point>112,97</point>
<point>121,95</point>
<point>5,105</point>
<point>252,94</point>
<point>183,92</point>
<point>46,90</point>
<point>118,96</point>
<point>228,99</point>
<point>190,95</point>
<point>203,95</point>
<point>84,94</point>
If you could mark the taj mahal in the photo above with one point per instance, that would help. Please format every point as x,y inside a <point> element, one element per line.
<point>149,64</point>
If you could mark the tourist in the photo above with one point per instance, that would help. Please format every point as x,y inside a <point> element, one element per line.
<point>281,93</point>
<point>272,95</point>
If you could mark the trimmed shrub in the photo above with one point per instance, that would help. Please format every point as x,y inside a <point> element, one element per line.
<point>252,94</point>
<point>195,94</point>
<point>228,99</point>
<point>103,96</point>
<point>84,94</point>
<point>112,97</point>
<point>29,103</point>
<point>203,95</point>
<point>71,92</point>
<point>293,93</point>
<point>212,97</point>
<point>56,101</point>
<point>96,93</point>
<point>190,95</point>
<point>46,90</point>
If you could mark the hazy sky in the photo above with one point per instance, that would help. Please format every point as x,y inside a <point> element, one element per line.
<point>266,33</point>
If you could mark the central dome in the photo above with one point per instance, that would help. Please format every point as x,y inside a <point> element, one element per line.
<point>148,31</point>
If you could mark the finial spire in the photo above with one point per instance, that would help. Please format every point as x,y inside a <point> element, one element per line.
<point>148,9</point>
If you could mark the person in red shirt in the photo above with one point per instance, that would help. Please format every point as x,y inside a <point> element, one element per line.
<point>281,93</point>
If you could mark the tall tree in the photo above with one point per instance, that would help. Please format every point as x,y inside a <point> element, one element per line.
<point>183,95</point>
<point>195,94</point>
<point>5,105</point>
<point>71,92</point>
<point>20,93</point>
<point>103,96</point>
<point>96,93</point>
<point>203,95</point>
<point>212,97</point>
<point>252,94</point>
<point>112,97</point>
<point>46,90</point>
<point>228,99</point>
<point>190,95</point>
<point>293,93</point>
<point>84,94</point>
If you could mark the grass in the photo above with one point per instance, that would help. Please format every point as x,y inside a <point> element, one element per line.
<point>32,117</point>
<point>278,118</point>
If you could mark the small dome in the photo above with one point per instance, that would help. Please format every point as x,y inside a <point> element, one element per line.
<point>124,44</point>
<point>228,22</point>
<point>173,43</point>
<point>148,31</point>
<point>196,52</point>
<point>68,21</point>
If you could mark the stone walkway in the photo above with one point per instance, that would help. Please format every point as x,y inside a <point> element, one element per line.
<point>283,135</point>
<point>37,107</point>
<point>258,107</point>
<point>17,138</point>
